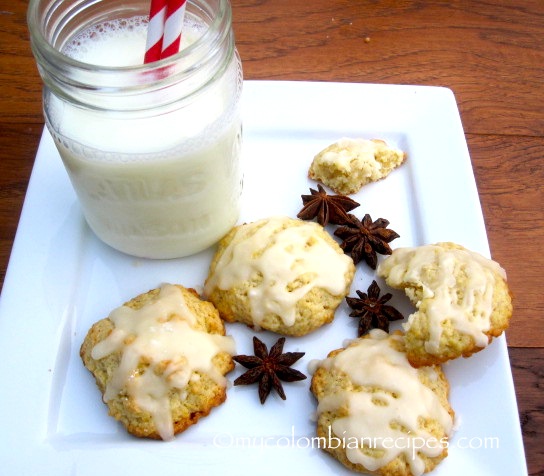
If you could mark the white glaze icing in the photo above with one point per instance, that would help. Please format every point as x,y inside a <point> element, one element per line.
<point>161,351</point>
<point>467,303</point>
<point>291,261</point>
<point>348,150</point>
<point>388,419</point>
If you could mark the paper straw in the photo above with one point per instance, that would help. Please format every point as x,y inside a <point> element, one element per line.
<point>154,41</point>
<point>175,12</point>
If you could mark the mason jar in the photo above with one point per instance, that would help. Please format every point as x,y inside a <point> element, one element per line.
<point>152,150</point>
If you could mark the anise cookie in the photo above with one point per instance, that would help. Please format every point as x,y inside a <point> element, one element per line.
<point>462,300</point>
<point>376,413</point>
<point>281,274</point>
<point>160,361</point>
<point>348,164</point>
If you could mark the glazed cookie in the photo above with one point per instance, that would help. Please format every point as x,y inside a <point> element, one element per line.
<point>280,274</point>
<point>376,413</point>
<point>159,361</point>
<point>348,164</point>
<point>462,300</point>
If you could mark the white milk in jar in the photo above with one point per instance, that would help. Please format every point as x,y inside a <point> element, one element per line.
<point>152,150</point>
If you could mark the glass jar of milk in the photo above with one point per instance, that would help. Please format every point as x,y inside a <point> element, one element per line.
<point>152,150</point>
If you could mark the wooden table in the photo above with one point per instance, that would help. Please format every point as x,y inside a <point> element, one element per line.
<point>491,54</point>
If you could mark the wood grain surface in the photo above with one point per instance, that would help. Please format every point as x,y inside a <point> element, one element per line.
<point>490,53</point>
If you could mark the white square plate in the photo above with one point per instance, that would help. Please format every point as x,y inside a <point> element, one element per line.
<point>61,279</point>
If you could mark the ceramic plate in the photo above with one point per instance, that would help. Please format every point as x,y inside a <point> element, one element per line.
<point>61,279</point>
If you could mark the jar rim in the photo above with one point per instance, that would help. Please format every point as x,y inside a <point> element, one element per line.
<point>198,48</point>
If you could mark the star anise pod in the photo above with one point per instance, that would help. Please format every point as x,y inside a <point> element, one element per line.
<point>327,208</point>
<point>269,368</point>
<point>371,309</point>
<point>363,239</point>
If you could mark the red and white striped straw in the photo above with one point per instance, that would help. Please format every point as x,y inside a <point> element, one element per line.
<point>164,29</point>
<point>153,46</point>
<point>172,27</point>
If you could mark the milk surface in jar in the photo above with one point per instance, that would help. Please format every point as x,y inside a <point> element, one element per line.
<point>156,170</point>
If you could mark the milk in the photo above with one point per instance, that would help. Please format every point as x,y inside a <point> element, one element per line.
<point>115,43</point>
<point>161,181</point>
<point>121,42</point>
